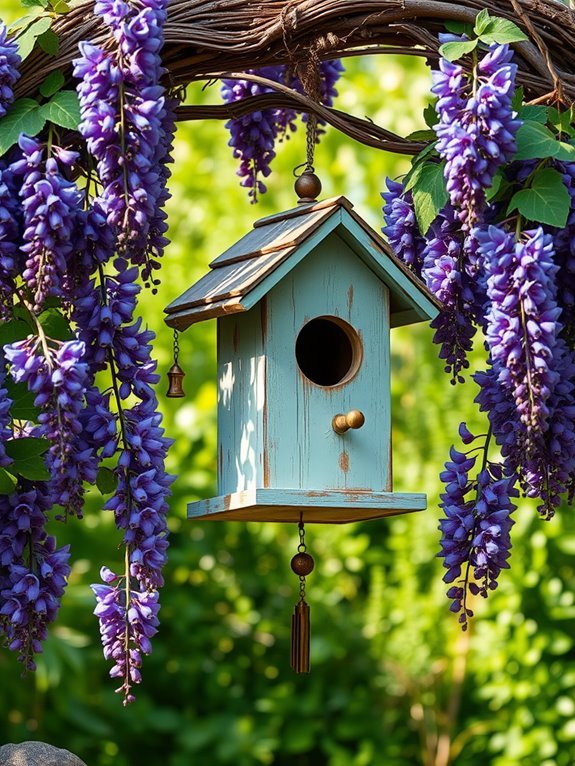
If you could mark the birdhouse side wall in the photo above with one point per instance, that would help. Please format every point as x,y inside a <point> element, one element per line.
<point>301,448</point>
<point>241,402</point>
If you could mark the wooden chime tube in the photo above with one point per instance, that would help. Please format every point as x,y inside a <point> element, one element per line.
<point>300,638</point>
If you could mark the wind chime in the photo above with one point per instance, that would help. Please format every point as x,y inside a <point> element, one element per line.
<point>304,303</point>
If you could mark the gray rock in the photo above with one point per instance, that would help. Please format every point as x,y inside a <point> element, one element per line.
<point>37,754</point>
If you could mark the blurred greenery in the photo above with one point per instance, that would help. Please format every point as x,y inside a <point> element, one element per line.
<point>393,680</point>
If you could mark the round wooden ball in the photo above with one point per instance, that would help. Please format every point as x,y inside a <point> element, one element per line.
<point>302,564</point>
<point>308,186</point>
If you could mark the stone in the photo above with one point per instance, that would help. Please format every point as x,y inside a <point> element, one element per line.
<point>37,754</point>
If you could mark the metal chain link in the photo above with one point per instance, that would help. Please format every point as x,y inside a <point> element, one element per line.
<point>176,346</point>
<point>302,548</point>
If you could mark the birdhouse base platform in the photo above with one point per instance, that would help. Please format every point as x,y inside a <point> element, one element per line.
<point>316,506</point>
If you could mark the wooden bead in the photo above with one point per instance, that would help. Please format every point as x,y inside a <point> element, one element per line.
<point>308,187</point>
<point>302,564</point>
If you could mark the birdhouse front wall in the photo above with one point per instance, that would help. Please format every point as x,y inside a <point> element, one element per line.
<point>285,371</point>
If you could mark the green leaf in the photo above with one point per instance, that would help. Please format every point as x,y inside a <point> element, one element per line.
<point>430,116</point>
<point>518,97</point>
<point>422,135</point>
<point>502,31</point>
<point>23,21</point>
<point>15,329</point>
<point>535,141</point>
<point>533,114</point>
<point>55,325</point>
<point>429,193</point>
<point>49,42</point>
<point>24,117</point>
<point>566,152</point>
<point>33,3</point>
<point>106,480</point>
<point>60,6</point>
<point>7,482</point>
<point>454,51</point>
<point>482,22</point>
<point>495,186</point>
<point>546,201</point>
<point>63,109</point>
<point>561,121</point>
<point>52,83</point>
<point>23,407</point>
<point>27,39</point>
<point>459,27</point>
<point>27,456</point>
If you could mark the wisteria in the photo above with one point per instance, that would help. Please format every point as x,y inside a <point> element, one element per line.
<point>507,283</point>
<point>9,68</point>
<point>254,136</point>
<point>71,259</point>
<point>475,542</point>
<point>476,128</point>
<point>401,226</point>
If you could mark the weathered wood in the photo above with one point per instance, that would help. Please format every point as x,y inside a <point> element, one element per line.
<point>301,448</point>
<point>316,506</point>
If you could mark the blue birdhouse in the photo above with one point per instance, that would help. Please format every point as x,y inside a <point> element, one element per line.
<point>304,304</point>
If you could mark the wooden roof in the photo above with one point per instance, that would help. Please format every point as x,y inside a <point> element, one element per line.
<point>247,270</point>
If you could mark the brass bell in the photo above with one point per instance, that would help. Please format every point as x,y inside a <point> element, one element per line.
<point>176,378</point>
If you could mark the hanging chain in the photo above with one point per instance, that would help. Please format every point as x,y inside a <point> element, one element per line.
<point>302,548</point>
<point>311,140</point>
<point>176,346</point>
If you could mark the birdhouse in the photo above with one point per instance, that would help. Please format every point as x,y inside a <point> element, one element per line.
<point>304,304</point>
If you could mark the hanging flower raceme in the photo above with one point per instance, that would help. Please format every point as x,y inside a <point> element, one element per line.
<point>476,128</point>
<point>522,323</point>
<point>10,230</point>
<point>33,571</point>
<point>442,272</point>
<point>50,207</point>
<point>126,124</point>
<point>9,74</point>
<point>475,531</point>
<point>401,227</point>
<point>57,377</point>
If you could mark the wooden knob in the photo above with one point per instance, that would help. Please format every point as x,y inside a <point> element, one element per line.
<point>353,419</point>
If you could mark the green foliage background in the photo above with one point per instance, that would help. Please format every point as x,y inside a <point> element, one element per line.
<point>393,681</point>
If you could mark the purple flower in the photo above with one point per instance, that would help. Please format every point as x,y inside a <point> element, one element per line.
<point>522,324</point>
<point>445,276</point>
<point>128,620</point>
<point>58,381</point>
<point>5,419</point>
<point>9,63</point>
<point>252,137</point>
<point>50,203</point>
<point>475,531</point>
<point>33,572</point>
<point>476,128</point>
<point>10,232</point>
<point>401,227</point>
<point>127,126</point>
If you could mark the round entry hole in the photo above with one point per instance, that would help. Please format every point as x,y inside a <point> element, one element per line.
<point>328,351</point>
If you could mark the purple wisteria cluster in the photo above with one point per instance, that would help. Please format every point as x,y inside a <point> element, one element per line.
<point>495,275</point>
<point>128,126</point>
<point>9,69</point>
<point>476,128</point>
<point>254,136</point>
<point>475,538</point>
<point>71,260</point>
